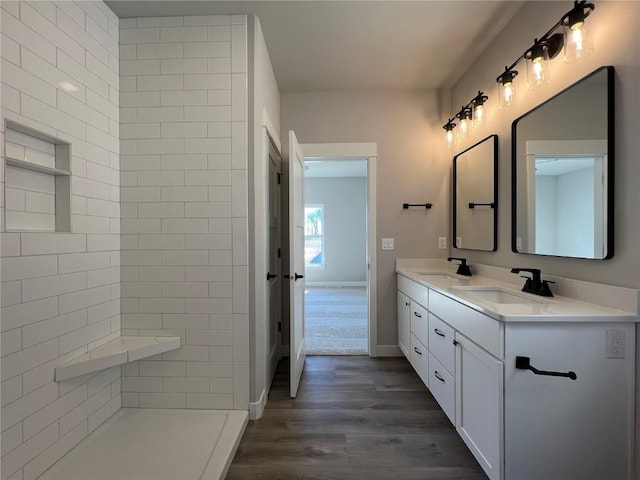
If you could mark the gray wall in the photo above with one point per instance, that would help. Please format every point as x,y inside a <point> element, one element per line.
<point>615,29</point>
<point>412,166</point>
<point>345,210</point>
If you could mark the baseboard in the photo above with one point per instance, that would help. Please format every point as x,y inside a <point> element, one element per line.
<point>389,351</point>
<point>285,350</point>
<point>336,284</point>
<point>257,408</point>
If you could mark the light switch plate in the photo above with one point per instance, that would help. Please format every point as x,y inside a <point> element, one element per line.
<point>442,243</point>
<point>387,244</point>
<point>458,242</point>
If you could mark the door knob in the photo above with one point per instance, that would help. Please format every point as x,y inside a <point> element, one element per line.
<point>296,276</point>
<point>270,276</point>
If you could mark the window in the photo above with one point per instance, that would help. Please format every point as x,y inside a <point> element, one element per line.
<point>314,235</point>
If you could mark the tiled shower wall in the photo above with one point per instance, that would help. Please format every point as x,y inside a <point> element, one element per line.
<point>184,208</point>
<point>60,291</point>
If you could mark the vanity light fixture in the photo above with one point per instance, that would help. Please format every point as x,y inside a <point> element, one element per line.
<point>448,127</point>
<point>464,116</point>
<point>507,87</point>
<point>577,43</point>
<point>479,114</point>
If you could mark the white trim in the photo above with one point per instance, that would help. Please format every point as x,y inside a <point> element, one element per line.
<point>389,351</point>
<point>340,150</point>
<point>368,152</point>
<point>256,409</point>
<point>566,147</point>
<point>336,284</point>
<point>266,122</point>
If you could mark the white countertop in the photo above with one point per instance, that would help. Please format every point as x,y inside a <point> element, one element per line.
<point>545,309</point>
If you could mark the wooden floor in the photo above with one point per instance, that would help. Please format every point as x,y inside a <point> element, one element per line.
<point>354,418</point>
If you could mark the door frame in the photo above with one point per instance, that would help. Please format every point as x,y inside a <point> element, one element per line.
<point>368,152</point>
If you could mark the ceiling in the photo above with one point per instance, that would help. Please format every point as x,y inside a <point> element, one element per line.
<point>562,165</point>
<point>358,45</point>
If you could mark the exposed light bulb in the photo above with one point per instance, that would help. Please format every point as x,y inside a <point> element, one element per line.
<point>450,137</point>
<point>537,72</point>
<point>577,44</point>
<point>538,69</point>
<point>464,125</point>
<point>507,94</point>
<point>478,113</point>
<point>507,87</point>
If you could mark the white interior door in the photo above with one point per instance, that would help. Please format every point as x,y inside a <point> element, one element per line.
<point>297,348</point>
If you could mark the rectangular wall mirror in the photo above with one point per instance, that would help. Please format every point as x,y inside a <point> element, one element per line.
<point>475,196</point>
<point>562,172</point>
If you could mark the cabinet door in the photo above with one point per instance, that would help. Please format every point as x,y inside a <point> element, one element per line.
<point>404,322</point>
<point>479,404</point>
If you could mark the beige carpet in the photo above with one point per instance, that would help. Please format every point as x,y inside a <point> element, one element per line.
<point>336,320</point>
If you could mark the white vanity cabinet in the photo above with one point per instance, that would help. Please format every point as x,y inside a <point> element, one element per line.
<point>404,322</point>
<point>519,424</point>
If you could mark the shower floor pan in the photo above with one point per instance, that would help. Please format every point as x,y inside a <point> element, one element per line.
<point>146,444</point>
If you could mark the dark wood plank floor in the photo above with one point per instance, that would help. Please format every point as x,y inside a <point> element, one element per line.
<point>354,418</point>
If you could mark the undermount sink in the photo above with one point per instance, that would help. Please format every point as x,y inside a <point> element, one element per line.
<point>447,276</point>
<point>495,295</point>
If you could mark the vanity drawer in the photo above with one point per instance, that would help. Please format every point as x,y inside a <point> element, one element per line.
<point>441,343</point>
<point>414,290</point>
<point>420,359</point>
<point>483,330</point>
<point>420,323</point>
<point>442,387</point>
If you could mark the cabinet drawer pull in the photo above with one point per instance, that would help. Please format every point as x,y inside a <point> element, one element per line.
<point>437,375</point>
<point>415,349</point>
<point>438,332</point>
<point>417,314</point>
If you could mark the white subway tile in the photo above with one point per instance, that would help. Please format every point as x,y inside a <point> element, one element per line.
<point>27,83</point>
<point>140,162</point>
<point>141,289</point>
<point>209,49</point>
<point>185,225</point>
<point>160,146</point>
<point>207,145</point>
<point>209,305</point>
<point>159,22</point>
<point>127,52</point>
<point>139,67</point>
<point>103,139</point>
<point>9,245</point>
<point>132,400</point>
<point>140,194</point>
<point>86,408</point>
<point>219,65</point>
<point>12,437</point>
<point>185,257</point>
<point>84,335</point>
<point>162,305</point>
<point>18,268</point>
<point>210,337</point>
<point>103,311</point>
<point>103,413</point>
<point>102,242</point>
<point>85,38</point>
<point>103,379</point>
<point>162,274</point>
<point>239,48</point>
<point>207,81</point>
<point>220,129</point>
<point>83,299</point>
<point>184,194</point>
<point>81,74</point>
<point>208,209</point>
<point>207,20</point>
<point>141,257</point>
<point>183,65</point>
<point>142,320</point>
<point>183,34</point>
<point>188,353</point>
<point>29,449</point>
<point>209,369</point>
<point>102,104</point>
<point>159,50</point>
<point>11,341</point>
<point>160,114</point>
<point>139,35</point>
<point>241,382</point>
<point>32,108</point>
<point>140,99</point>
<point>209,274</point>
<point>220,257</point>
<point>184,162</point>
<point>162,400</point>
<point>160,178</point>
<point>10,49</point>
<point>52,412</point>
<point>29,358</point>
<point>159,82</point>
<point>11,390</point>
<point>176,384</point>
<point>162,369</point>
<point>181,98</point>
<point>220,289</point>
<point>160,210</point>
<point>25,313</point>
<point>42,287</point>
<point>210,241</point>
<point>162,242</point>
<point>220,321</point>
<point>80,262</point>
<point>207,177</point>
<point>209,401</point>
<point>184,130</point>
<point>141,384</point>
<point>219,33</point>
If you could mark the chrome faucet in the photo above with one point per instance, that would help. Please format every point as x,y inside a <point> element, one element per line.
<point>535,284</point>
<point>463,268</point>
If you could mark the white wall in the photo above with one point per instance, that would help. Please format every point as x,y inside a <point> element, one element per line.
<point>264,107</point>
<point>411,167</point>
<point>184,208</point>
<point>60,291</point>
<point>345,220</point>
<point>546,214</point>
<point>576,212</point>
<point>615,29</point>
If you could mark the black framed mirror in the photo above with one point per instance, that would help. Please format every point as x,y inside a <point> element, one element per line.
<point>562,172</point>
<point>475,196</point>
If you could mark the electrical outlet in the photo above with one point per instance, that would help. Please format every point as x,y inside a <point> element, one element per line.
<point>615,344</point>
<point>442,243</point>
<point>387,244</point>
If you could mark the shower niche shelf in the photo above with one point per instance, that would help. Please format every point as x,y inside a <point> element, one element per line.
<point>116,352</point>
